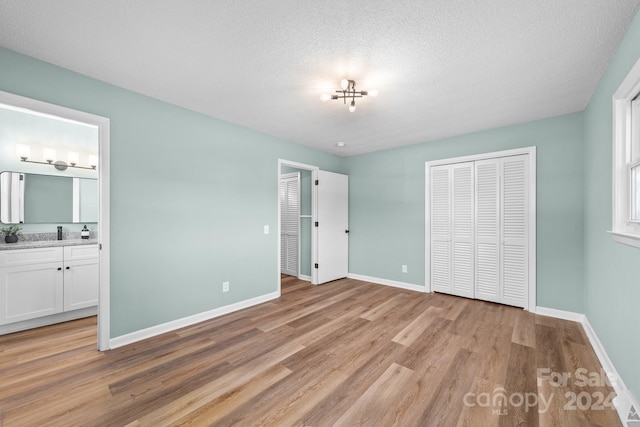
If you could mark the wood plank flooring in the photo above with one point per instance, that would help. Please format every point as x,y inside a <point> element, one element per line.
<point>347,353</point>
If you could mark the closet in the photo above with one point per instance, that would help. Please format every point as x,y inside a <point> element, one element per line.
<point>479,226</point>
<point>289,223</point>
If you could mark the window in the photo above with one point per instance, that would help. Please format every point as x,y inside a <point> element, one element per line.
<point>634,164</point>
<point>626,155</point>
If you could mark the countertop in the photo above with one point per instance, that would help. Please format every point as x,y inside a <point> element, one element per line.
<point>30,244</point>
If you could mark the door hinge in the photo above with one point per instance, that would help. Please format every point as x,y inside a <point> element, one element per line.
<point>316,266</point>
<point>316,223</point>
<point>316,182</point>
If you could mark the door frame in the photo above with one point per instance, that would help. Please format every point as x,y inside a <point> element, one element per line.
<point>531,151</point>
<point>314,216</point>
<point>103,125</point>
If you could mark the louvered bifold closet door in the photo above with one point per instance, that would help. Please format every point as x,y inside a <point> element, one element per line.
<point>514,230</point>
<point>462,230</point>
<point>487,239</point>
<point>293,215</point>
<point>440,215</point>
<point>283,225</point>
<point>289,224</point>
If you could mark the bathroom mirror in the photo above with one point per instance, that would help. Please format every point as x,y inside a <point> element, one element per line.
<point>47,199</point>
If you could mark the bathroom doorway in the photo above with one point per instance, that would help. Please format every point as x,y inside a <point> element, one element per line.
<point>101,126</point>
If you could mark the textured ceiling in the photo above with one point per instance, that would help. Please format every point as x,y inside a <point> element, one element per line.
<point>442,67</point>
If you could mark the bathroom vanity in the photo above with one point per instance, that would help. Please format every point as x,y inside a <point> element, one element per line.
<point>46,282</point>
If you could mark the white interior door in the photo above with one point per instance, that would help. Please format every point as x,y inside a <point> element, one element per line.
<point>289,223</point>
<point>462,222</point>
<point>332,260</point>
<point>440,229</point>
<point>487,259</point>
<point>515,230</point>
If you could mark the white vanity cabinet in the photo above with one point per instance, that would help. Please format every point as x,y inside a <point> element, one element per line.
<point>40,282</point>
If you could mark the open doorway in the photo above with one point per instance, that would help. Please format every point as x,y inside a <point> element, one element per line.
<point>34,108</point>
<point>301,237</point>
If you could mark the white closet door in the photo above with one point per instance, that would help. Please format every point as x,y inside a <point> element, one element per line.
<point>514,230</point>
<point>487,242</point>
<point>289,223</point>
<point>440,229</point>
<point>462,225</point>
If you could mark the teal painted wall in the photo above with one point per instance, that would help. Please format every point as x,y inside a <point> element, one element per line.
<point>612,270</point>
<point>189,197</point>
<point>387,192</point>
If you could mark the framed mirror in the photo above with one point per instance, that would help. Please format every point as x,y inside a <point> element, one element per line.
<point>46,199</point>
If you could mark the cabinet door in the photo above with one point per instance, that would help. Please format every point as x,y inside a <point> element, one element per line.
<point>30,291</point>
<point>80,284</point>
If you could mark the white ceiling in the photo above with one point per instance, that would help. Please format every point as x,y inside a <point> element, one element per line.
<point>443,67</point>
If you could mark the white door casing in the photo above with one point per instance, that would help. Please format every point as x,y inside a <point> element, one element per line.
<point>333,225</point>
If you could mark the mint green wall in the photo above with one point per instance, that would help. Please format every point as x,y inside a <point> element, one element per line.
<point>386,208</point>
<point>612,270</point>
<point>189,197</point>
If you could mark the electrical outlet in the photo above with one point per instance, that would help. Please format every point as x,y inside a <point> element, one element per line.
<point>404,268</point>
<point>266,229</point>
<point>225,286</point>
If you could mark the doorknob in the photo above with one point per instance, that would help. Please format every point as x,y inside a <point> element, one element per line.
<point>346,231</point>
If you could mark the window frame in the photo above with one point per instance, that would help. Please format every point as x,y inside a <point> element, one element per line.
<point>624,229</point>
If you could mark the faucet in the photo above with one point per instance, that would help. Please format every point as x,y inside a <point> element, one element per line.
<point>59,232</point>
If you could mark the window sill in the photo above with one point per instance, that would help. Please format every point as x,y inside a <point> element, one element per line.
<point>626,239</point>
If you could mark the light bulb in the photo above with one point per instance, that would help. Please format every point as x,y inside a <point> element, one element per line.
<point>49,154</point>
<point>344,84</point>
<point>352,107</point>
<point>73,158</point>
<point>23,151</point>
<point>325,97</point>
<point>93,160</point>
<point>373,92</point>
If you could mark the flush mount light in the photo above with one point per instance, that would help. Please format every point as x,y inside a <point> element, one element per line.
<point>348,92</point>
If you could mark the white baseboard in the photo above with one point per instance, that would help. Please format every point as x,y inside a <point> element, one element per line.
<point>187,321</point>
<point>304,277</point>
<point>624,401</point>
<point>395,284</point>
<point>48,320</point>
<point>560,314</point>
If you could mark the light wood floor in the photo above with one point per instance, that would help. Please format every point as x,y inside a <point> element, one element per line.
<point>346,353</point>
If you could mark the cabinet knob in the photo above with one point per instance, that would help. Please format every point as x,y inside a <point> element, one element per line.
<point>59,268</point>
<point>68,267</point>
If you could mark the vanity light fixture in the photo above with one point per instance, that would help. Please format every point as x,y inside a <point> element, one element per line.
<point>348,91</point>
<point>24,152</point>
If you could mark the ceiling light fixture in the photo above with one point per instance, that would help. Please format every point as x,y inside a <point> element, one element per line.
<point>348,91</point>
